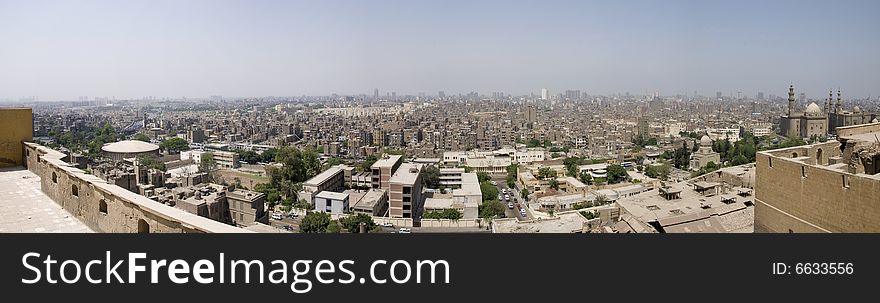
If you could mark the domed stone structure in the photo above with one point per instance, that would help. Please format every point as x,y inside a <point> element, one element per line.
<point>129,149</point>
<point>705,141</point>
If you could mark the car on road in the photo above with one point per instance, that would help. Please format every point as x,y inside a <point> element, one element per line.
<point>277,216</point>
<point>522,212</point>
<point>493,183</point>
<point>509,205</point>
<point>404,230</point>
<point>386,224</point>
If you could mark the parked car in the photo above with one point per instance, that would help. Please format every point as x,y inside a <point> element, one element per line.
<point>404,230</point>
<point>277,216</point>
<point>493,183</point>
<point>387,224</point>
<point>509,205</point>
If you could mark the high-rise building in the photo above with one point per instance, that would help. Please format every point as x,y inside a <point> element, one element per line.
<point>718,95</point>
<point>376,94</point>
<point>441,94</point>
<point>530,114</point>
<point>760,95</point>
<point>393,96</point>
<point>545,94</point>
<point>573,94</point>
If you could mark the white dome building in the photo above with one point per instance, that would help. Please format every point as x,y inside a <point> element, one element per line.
<point>129,149</point>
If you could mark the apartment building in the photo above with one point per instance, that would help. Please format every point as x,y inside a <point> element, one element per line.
<point>405,191</point>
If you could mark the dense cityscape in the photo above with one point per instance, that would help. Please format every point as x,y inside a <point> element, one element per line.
<point>565,162</point>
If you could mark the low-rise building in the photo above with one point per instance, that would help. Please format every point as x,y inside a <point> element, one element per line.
<point>331,202</point>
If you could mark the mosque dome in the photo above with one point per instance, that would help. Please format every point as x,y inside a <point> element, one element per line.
<point>857,109</point>
<point>705,141</point>
<point>813,109</point>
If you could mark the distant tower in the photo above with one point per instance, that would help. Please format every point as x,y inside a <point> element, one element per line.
<point>828,102</point>
<point>790,100</point>
<point>545,94</point>
<point>839,100</point>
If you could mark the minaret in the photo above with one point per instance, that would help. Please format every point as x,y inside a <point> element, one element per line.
<point>790,99</point>
<point>839,100</point>
<point>828,102</point>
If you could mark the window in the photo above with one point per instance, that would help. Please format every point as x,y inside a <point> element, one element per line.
<point>803,171</point>
<point>102,207</point>
<point>54,178</point>
<point>819,157</point>
<point>407,190</point>
<point>770,161</point>
<point>74,190</point>
<point>143,227</point>
<point>845,181</point>
<point>794,155</point>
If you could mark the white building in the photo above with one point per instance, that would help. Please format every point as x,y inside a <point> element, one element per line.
<point>331,202</point>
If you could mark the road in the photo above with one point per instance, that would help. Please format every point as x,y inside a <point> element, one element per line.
<point>501,181</point>
<point>292,222</point>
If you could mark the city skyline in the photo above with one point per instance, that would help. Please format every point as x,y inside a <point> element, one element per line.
<point>64,50</point>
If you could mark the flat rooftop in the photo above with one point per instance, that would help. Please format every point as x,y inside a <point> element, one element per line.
<point>323,176</point>
<point>25,209</point>
<point>403,174</point>
<point>331,195</point>
<point>386,162</point>
<point>569,222</point>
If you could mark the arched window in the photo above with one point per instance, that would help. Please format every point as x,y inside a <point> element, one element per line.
<point>143,227</point>
<point>102,207</point>
<point>54,177</point>
<point>794,155</point>
<point>74,190</point>
<point>819,157</point>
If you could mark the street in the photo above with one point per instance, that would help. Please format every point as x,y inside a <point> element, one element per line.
<point>501,181</point>
<point>287,221</point>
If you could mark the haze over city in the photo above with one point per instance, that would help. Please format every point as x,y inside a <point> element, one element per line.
<point>61,50</point>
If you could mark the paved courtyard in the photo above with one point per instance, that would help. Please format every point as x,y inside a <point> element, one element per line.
<point>25,209</point>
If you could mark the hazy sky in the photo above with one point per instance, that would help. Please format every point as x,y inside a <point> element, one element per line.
<point>65,49</point>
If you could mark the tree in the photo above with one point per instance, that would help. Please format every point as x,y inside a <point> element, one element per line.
<point>272,196</point>
<point>586,178</point>
<point>511,175</point>
<point>483,177</point>
<point>525,194</point>
<point>150,161</point>
<point>333,227</point>
<point>141,137</point>
<point>249,156</point>
<point>365,166</point>
<point>314,222</point>
<point>207,162</point>
<point>430,176</point>
<point>600,200</point>
<point>449,213</point>
<point>554,184</point>
<point>617,174</point>
<point>268,155</point>
<point>353,223</point>
<point>174,145</point>
<point>332,162</point>
<point>491,209</point>
<point>681,158</point>
<point>490,192</point>
<point>546,172</point>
